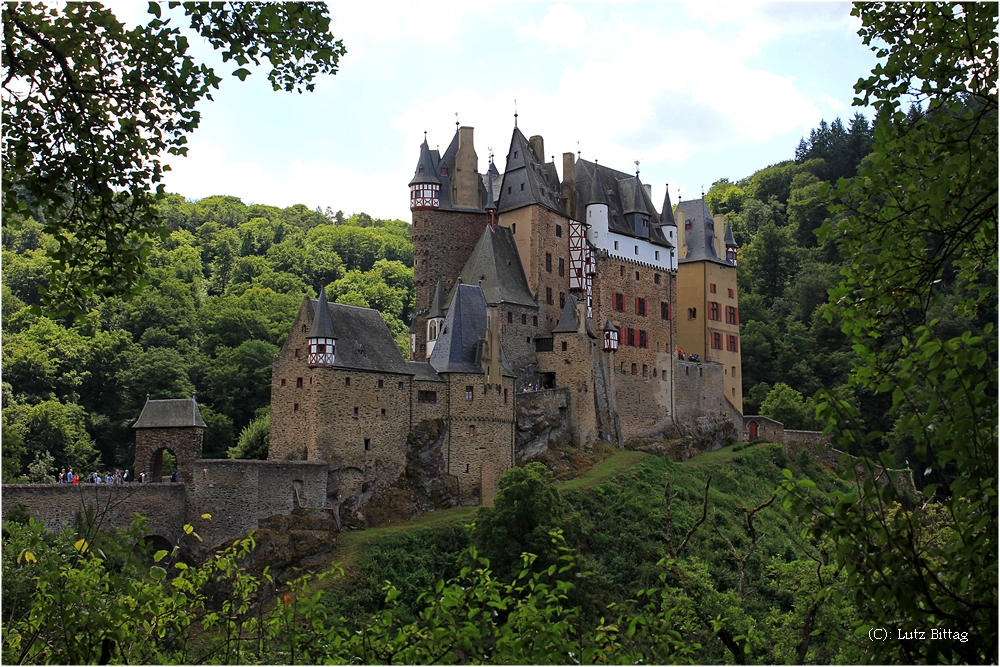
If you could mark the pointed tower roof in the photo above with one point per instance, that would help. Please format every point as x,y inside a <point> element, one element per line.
<point>699,237</point>
<point>426,167</point>
<point>667,215</point>
<point>457,346</point>
<point>437,301</point>
<point>491,200</point>
<point>597,195</point>
<point>634,196</point>
<point>495,266</point>
<point>321,326</point>
<point>568,320</point>
<point>730,239</point>
<point>608,326</point>
<point>529,180</point>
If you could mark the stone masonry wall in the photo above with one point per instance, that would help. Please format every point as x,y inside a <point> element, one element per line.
<point>699,389</point>
<point>442,244</point>
<point>290,427</point>
<point>56,505</point>
<point>543,422</point>
<point>518,327</point>
<point>573,368</point>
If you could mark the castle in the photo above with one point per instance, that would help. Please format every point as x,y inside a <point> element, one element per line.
<point>524,281</point>
<point>528,288</point>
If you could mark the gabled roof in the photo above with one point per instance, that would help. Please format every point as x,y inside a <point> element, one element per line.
<point>363,339</point>
<point>568,320</point>
<point>423,371</point>
<point>623,193</point>
<point>540,179</point>
<point>437,301</point>
<point>426,167</point>
<point>701,233</point>
<point>459,345</point>
<point>495,266</point>
<point>170,413</point>
<point>634,197</point>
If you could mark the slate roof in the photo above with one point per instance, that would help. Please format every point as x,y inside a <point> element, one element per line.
<point>426,167</point>
<point>667,212</point>
<point>730,239</point>
<point>459,345</point>
<point>701,234</point>
<point>495,266</point>
<point>624,194</point>
<point>423,371</point>
<point>540,179</point>
<point>568,320</point>
<point>321,326</point>
<point>170,413</point>
<point>437,301</point>
<point>363,339</point>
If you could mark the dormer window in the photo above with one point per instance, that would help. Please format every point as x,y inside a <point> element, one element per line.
<point>321,351</point>
<point>444,171</point>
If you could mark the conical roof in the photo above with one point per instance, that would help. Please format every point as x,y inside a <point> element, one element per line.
<point>321,326</point>
<point>426,167</point>
<point>596,189</point>
<point>437,302</point>
<point>568,320</point>
<point>667,215</point>
<point>608,326</point>
<point>491,202</point>
<point>635,202</point>
<point>730,239</point>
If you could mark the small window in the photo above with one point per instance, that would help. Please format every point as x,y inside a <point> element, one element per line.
<point>687,225</point>
<point>381,384</point>
<point>382,413</point>
<point>640,306</point>
<point>619,302</point>
<point>711,288</point>
<point>469,392</point>
<point>616,245</point>
<point>664,310</point>
<point>637,275</point>
<point>347,382</point>
<point>645,370</point>
<point>400,386</point>
<point>643,340</point>
<point>548,262</point>
<point>466,467</point>
<point>548,295</point>
<point>637,250</point>
<point>304,328</point>
<point>515,154</point>
<point>562,299</point>
<point>355,411</point>
<point>692,313</point>
<point>298,351</point>
<point>524,319</point>
<point>508,190</point>
<point>559,231</point>
<point>427,397</point>
<point>534,320</point>
<point>283,382</point>
<point>513,227</point>
<point>444,171</point>
<point>564,346</point>
<point>510,317</point>
<point>621,269</point>
<point>656,255</point>
<point>472,429</point>
<point>543,345</point>
<point>562,267</point>
<point>522,187</point>
<point>633,369</point>
<point>298,383</point>
<point>295,408</point>
<point>732,293</point>
<point>656,277</point>
<point>368,444</point>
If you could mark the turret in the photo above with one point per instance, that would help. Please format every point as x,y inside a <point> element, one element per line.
<point>730,245</point>
<point>425,186</point>
<point>610,337</point>
<point>435,318</point>
<point>669,226</point>
<point>597,209</point>
<point>321,340</point>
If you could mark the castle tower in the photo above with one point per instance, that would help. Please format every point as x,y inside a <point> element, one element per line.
<point>435,318</point>
<point>707,297</point>
<point>447,201</point>
<point>174,426</point>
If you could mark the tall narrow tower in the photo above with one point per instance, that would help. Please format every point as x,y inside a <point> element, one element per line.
<point>447,201</point>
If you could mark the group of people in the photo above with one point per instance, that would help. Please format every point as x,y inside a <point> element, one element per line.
<point>116,477</point>
<point>691,357</point>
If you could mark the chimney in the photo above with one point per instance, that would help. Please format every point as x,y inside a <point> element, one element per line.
<point>569,183</point>
<point>467,171</point>
<point>538,147</point>
<point>649,190</point>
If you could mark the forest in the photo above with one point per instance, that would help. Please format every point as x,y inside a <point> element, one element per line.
<point>868,283</point>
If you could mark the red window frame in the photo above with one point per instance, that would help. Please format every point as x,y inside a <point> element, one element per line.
<point>714,311</point>
<point>630,336</point>
<point>716,340</point>
<point>640,306</point>
<point>733,344</point>
<point>619,302</point>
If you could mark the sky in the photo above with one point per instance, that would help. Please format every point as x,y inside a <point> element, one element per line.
<point>694,91</point>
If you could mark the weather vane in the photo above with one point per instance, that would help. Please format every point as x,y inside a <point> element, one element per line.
<point>637,169</point>
<point>456,119</point>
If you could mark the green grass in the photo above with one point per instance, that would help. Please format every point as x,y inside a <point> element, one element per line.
<point>619,461</point>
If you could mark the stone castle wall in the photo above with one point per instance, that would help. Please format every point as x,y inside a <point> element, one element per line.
<point>57,505</point>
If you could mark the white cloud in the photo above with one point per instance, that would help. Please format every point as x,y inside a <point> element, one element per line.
<point>208,171</point>
<point>832,102</point>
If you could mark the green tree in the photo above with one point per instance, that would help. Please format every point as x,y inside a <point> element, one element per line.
<point>525,510</point>
<point>921,225</point>
<point>254,439</point>
<point>57,429</point>
<point>788,407</point>
<point>103,103</point>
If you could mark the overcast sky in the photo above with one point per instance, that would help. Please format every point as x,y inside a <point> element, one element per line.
<point>694,92</point>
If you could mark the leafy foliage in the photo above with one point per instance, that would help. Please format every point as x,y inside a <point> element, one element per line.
<point>103,103</point>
